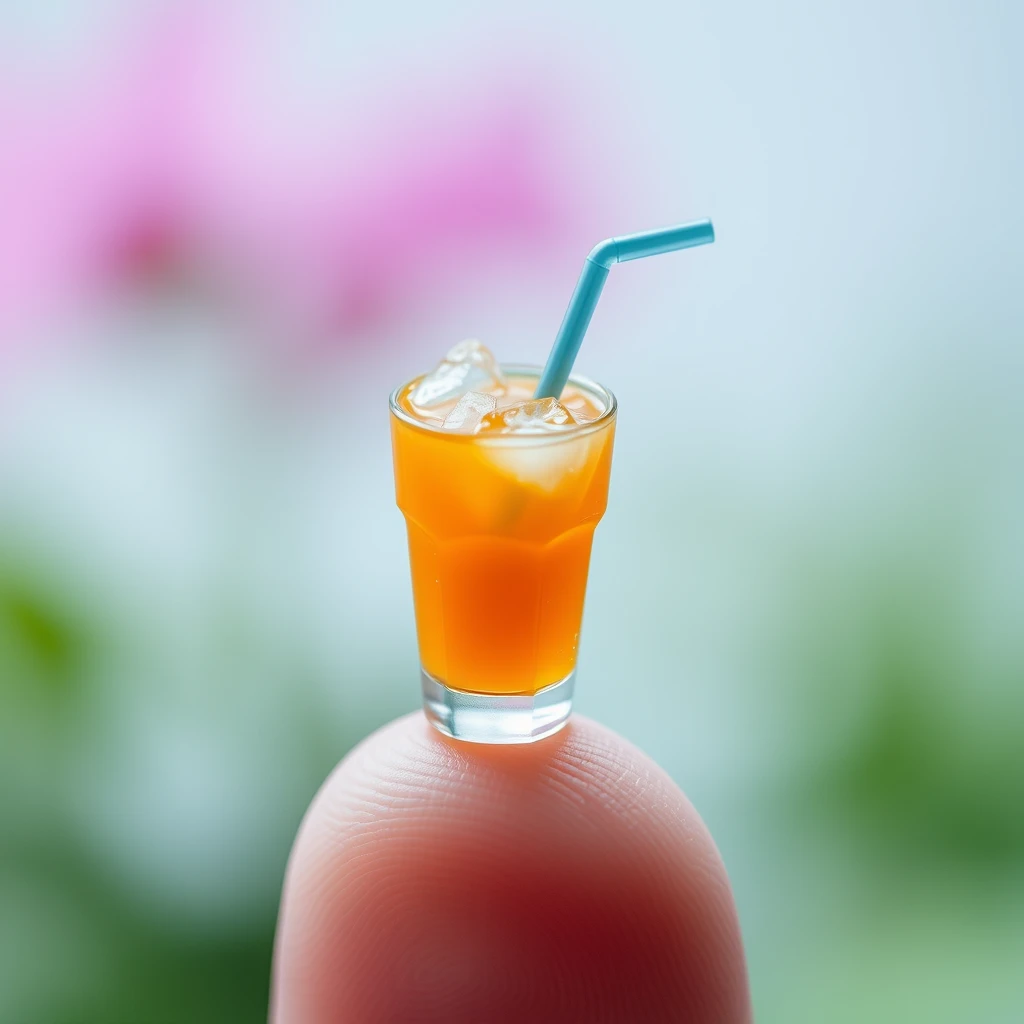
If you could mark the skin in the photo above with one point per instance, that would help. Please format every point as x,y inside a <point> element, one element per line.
<point>566,880</point>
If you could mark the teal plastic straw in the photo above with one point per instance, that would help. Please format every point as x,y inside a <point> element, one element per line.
<point>588,291</point>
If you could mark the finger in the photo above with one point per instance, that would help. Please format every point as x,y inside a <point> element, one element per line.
<point>565,880</point>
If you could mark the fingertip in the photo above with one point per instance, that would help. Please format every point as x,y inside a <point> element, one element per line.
<point>568,879</point>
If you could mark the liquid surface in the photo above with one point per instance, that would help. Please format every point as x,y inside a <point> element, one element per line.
<point>583,406</point>
<point>469,393</point>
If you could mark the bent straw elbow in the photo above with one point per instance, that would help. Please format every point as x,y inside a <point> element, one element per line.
<point>605,253</point>
<point>588,289</point>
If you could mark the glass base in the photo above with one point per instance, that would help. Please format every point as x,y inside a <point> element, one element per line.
<point>497,717</point>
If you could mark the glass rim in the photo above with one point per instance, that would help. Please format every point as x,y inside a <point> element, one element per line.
<point>516,370</point>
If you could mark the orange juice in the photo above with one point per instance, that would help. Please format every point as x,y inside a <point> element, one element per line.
<point>500,524</point>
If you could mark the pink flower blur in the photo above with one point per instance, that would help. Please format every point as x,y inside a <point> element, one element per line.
<point>162,162</point>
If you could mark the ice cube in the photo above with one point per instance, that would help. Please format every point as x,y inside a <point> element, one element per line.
<point>537,416</point>
<point>472,408</point>
<point>548,464</point>
<point>475,352</point>
<point>468,366</point>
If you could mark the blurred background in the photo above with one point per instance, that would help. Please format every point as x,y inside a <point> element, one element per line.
<point>228,230</point>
